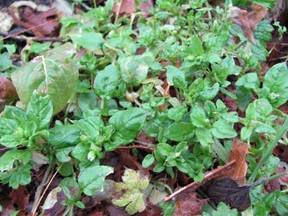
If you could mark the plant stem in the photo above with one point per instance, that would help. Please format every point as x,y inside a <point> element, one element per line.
<point>269,151</point>
<point>40,188</point>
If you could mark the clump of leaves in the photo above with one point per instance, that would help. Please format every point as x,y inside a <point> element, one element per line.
<point>22,132</point>
<point>133,186</point>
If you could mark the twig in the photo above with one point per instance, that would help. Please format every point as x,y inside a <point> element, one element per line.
<point>137,147</point>
<point>49,183</point>
<point>118,11</point>
<point>196,184</point>
<point>39,190</point>
<point>24,38</point>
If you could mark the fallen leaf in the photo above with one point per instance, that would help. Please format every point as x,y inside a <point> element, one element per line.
<point>7,91</point>
<point>219,172</point>
<point>127,7</point>
<point>41,24</point>
<point>145,7</point>
<point>189,206</point>
<point>248,21</point>
<point>6,22</point>
<point>238,153</point>
<point>226,190</point>
<point>20,197</point>
<point>281,151</point>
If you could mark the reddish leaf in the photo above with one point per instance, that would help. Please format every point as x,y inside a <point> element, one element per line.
<point>20,196</point>
<point>41,24</point>
<point>238,153</point>
<point>189,206</point>
<point>145,7</point>
<point>7,89</point>
<point>281,151</point>
<point>248,21</point>
<point>127,7</point>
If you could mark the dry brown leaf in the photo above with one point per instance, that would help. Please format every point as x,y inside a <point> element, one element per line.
<point>189,206</point>
<point>220,172</point>
<point>145,7</point>
<point>127,7</point>
<point>238,153</point>
<point>20,197</point>
<point>248,21</point>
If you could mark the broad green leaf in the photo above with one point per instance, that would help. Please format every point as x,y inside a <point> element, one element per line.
<point>81,151</point>
<point>249,81</point>
<point>177,113</point>
<point>106,81</point>
<point>172,73</point>
<point>7,160</point>
<point>209,92</point>
<point>89,40</point>
<point>14,139</point>
<point>204,136</point>
<point>275,85</point>
<point>164,149</point>
<point>180,131</point>
<point>148,160</point>
<point>133,70</point>
<point>64,136</point>
<point>222,129</point>
<point>91,179</point>
<point>196,47</point>
<point>20,176</point>
<point>199,118</point>
<point>39,47</point>
<point>5,61</point>
<point>7,126</point>
<point>127,124</point>
<point>51,74</point>
<point>40,110</point>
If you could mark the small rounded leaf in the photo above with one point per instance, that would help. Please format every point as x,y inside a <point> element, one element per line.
<point>148,160</point>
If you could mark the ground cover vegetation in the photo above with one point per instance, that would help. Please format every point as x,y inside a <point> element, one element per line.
<point>167,107</point>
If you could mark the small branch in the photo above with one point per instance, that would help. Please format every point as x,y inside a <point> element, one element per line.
<point>39,190</point>
<point>137,147</point>
<point>24,38</point>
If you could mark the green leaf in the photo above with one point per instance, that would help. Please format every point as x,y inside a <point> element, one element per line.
<point>198,117</point>
<point>40,110</point>
<point>7,126</point>
<point>7,160</point>
<point>209,92</point>
<point>5,61</point>
<point>196,47</point>
<point>180,131</point>
<point>133,69</point>
<point>173,73</point>
<point>81,151</point>
<point>204,136</point>
<point>177,113</point>
<point>89,40</point>
<point>222,129</point>
<point>106,81</point>
<point>249,81</point>
<point>275,87</point>
<point>91,179</point>
<point>127,124</point>
<point>148,160</point>
<point>51,74</point>
<point>20,176</point>
<point>14,139</point>
<point>64,136</point>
